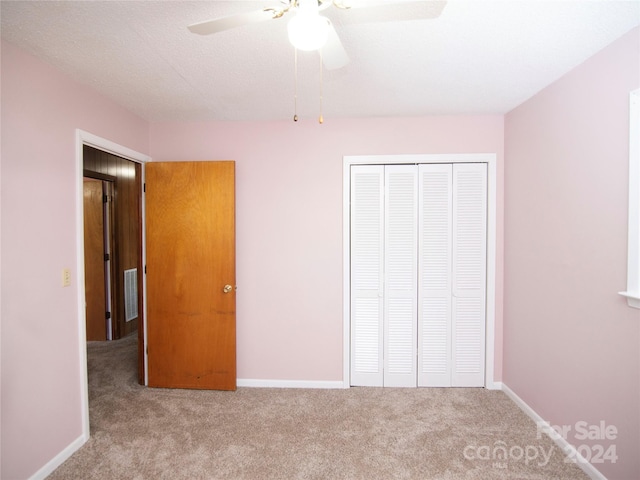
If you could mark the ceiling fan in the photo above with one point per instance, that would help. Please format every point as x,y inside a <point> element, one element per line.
<point>308,30</point>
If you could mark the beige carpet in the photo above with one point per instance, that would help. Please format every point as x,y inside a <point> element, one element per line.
<point>254,433</point>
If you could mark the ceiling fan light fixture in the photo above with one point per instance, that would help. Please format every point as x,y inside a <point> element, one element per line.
<point>308,31</point>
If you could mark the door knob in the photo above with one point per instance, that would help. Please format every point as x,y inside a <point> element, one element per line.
<point>227,288</point>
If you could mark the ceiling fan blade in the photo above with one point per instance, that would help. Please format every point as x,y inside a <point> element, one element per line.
<point>334,55</point>
<point>225,23</point>
<point>371,11</point>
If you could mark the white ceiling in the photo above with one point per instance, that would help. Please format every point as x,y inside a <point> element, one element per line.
<point>477,57</point>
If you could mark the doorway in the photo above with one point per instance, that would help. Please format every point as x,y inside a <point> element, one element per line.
<point>86,139</point>
<point>121,231</point>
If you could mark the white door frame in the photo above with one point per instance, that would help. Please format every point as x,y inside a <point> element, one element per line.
<point>86,138</point>
<point>490,160</point>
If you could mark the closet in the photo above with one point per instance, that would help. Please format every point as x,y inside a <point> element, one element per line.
<point>418,263</point>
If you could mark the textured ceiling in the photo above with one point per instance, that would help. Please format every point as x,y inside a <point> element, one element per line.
<point>476,57</point>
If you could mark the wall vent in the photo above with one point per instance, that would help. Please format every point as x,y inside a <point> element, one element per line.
<point>131,294</point>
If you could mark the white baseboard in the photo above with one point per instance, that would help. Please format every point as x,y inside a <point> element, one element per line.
<point>59,459</point>
<point>493,386</point>
<point>260,383</point>
<point>561,442</point>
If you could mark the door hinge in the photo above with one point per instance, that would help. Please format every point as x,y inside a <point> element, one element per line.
<point>107,315</point>
<point>107,257</point>
<point>144,187</point>
<point>145,269</point>
<point>105,198</point>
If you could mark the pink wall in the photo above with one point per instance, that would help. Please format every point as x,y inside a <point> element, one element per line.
<point>570,342</point>
<point>41,400</point>
<point>289,223</point>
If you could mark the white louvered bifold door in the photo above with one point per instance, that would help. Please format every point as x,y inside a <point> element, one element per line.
<point>469,273</point>
<point>418,274</point>
<point>367,248</point>
<point>400,274</point>
<point>435,258</point>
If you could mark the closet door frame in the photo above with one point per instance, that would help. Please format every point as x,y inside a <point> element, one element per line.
<point>490,160</point>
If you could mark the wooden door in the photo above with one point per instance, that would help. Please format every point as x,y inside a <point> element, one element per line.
<point>94,265</point>
<point>191,312</point>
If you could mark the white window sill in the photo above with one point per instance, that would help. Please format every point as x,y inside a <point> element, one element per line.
<point>633,299</point>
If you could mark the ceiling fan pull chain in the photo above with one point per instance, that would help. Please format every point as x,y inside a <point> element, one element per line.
<point>320,118</point>
<point>295,90</point>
